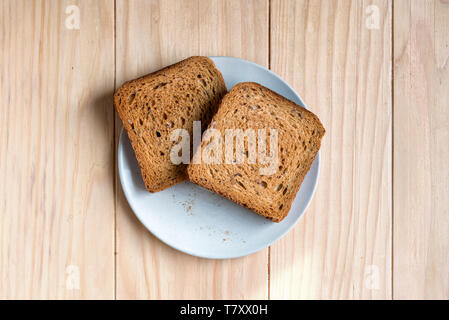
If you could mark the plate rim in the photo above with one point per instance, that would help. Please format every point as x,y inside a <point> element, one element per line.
<point>219,257</point>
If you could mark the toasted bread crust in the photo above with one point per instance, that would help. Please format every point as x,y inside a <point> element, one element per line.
<point>300,132</point>
<point>151,106</point>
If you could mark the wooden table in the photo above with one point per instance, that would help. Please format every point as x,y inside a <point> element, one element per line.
<point>376,72</point>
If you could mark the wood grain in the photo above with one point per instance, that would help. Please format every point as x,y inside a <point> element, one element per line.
<point>378,226</point>
<point>56,146</point>
<point>341,248</point>
<point>421,133</point>
<point>150,35</point>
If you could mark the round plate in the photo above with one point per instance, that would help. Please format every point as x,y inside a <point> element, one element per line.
<point>197,221</point>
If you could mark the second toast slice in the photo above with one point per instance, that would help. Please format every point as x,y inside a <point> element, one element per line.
<point>294,140</point>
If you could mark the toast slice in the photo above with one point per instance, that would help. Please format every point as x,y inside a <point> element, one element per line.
<point>152,106</point>
<point>251,106</point>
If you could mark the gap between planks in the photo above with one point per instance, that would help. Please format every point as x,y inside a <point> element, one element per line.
<point>269,67</point>
<point>392,148</point>
<point>115,158</point>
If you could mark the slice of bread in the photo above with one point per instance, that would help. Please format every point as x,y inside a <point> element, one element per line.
<point>152,106</point>
<point>299,132</point>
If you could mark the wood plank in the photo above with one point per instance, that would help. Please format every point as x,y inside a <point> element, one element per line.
<point>56,150</point>
<point>421,133</point>
<point>340,63</point>
<point>150,35</point>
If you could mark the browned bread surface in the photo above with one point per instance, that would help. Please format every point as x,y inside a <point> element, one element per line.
<point>152,106</point>
<point>250,105</point>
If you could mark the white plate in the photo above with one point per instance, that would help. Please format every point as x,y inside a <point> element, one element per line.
<point>201,223</point>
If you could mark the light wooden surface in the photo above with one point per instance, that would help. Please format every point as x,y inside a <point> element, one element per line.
<point>148,39</point>
<point>421,154</point>
<point>376,73</point>
<point>343,71</point>
<point>56,151</point>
